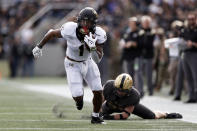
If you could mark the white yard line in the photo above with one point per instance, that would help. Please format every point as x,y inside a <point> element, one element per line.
<point>28,108</point>
<point>147,122</point>
<point>35,113</point>
<point>189,111</point>
<point>86,129</point>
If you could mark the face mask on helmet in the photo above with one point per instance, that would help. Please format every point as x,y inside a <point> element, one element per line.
<point>87,20</point>
<point>123,83</point>
<point>86,26</point>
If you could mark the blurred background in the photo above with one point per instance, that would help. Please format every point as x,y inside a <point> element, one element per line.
<point>23,23</point>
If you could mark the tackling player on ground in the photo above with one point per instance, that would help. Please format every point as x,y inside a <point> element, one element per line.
<point>121,97</point>
<point>84,48</point>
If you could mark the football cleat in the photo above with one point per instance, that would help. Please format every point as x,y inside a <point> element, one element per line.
<point>97,120</point>
<point>79,104</point>
<point>173,116</point>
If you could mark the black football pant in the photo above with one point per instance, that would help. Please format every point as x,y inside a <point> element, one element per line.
<point>190,71</point>
<point>179,79</point>
<point>139,110</point>
<point>143,112</point>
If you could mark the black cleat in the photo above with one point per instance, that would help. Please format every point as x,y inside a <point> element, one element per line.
<point>173,116</point>
<point>177,98</point>
<point>79,105</point>
<point>190,101</point>
<point>97,120</point>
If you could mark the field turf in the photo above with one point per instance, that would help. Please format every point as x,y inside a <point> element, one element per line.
<point>23,110</point>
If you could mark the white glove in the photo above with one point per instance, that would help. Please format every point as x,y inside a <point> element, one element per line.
<point>37,52</point>
<point>90,41</point>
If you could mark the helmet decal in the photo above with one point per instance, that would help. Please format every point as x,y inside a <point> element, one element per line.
<point>123,82</point>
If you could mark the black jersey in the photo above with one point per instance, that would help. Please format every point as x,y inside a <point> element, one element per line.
<point>110,95</point>
<point>190,34</point>
<point>146,39</point>
<point>132,52</point>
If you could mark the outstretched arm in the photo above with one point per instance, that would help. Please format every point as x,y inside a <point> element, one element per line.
<point>37,51</point>
<point>49,35</point>
<point>125,114</point>
<point>121,116</point>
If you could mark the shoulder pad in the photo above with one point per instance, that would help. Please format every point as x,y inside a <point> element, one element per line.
<point>68,29</point>
<point>101,35</point>
<point>108,89</point>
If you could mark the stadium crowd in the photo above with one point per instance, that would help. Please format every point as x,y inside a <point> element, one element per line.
<point>17,50</point>
<point>156,20</point>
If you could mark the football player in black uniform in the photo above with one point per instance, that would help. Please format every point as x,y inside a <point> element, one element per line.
<point>122,98</point>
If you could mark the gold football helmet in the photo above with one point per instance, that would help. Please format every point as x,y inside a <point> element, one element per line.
<point>123,82</point>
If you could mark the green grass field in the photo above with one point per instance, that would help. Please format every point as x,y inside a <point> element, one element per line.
<point>23,110</point>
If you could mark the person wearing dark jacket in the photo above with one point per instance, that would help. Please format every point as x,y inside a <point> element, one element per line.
<point>131,47</point>
<point>146,39</point>
<point>189,34</point>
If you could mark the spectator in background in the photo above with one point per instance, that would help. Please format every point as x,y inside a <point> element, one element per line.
<point>179,83</point>
<point>146,39</point>
<point>189,34</point>
<point>28,61</point>
<point>1,46</point>
<point>174,55</point>
<point>14,56</point>
<point>131,48</point>
<point>12,15</point>
<point>161,59</point>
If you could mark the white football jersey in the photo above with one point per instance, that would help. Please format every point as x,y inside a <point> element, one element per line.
<point>76,49</point>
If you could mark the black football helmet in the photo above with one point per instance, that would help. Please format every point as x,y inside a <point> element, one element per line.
<point>87,20</point>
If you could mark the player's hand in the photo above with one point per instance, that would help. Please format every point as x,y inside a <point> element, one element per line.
<point>37,52</point>
<point>189,43</point>
<point>90,41</point>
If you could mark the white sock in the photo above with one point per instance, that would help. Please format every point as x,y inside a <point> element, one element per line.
<point>95,114</point>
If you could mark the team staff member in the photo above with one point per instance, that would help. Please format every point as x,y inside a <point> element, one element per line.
<point>121,97</point>
<point>131,48</point>
<point>84,43</point>
<point>189,34</point>
<point>146,39</point>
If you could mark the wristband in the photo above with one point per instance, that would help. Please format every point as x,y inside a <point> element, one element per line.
<point>39,46</point>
